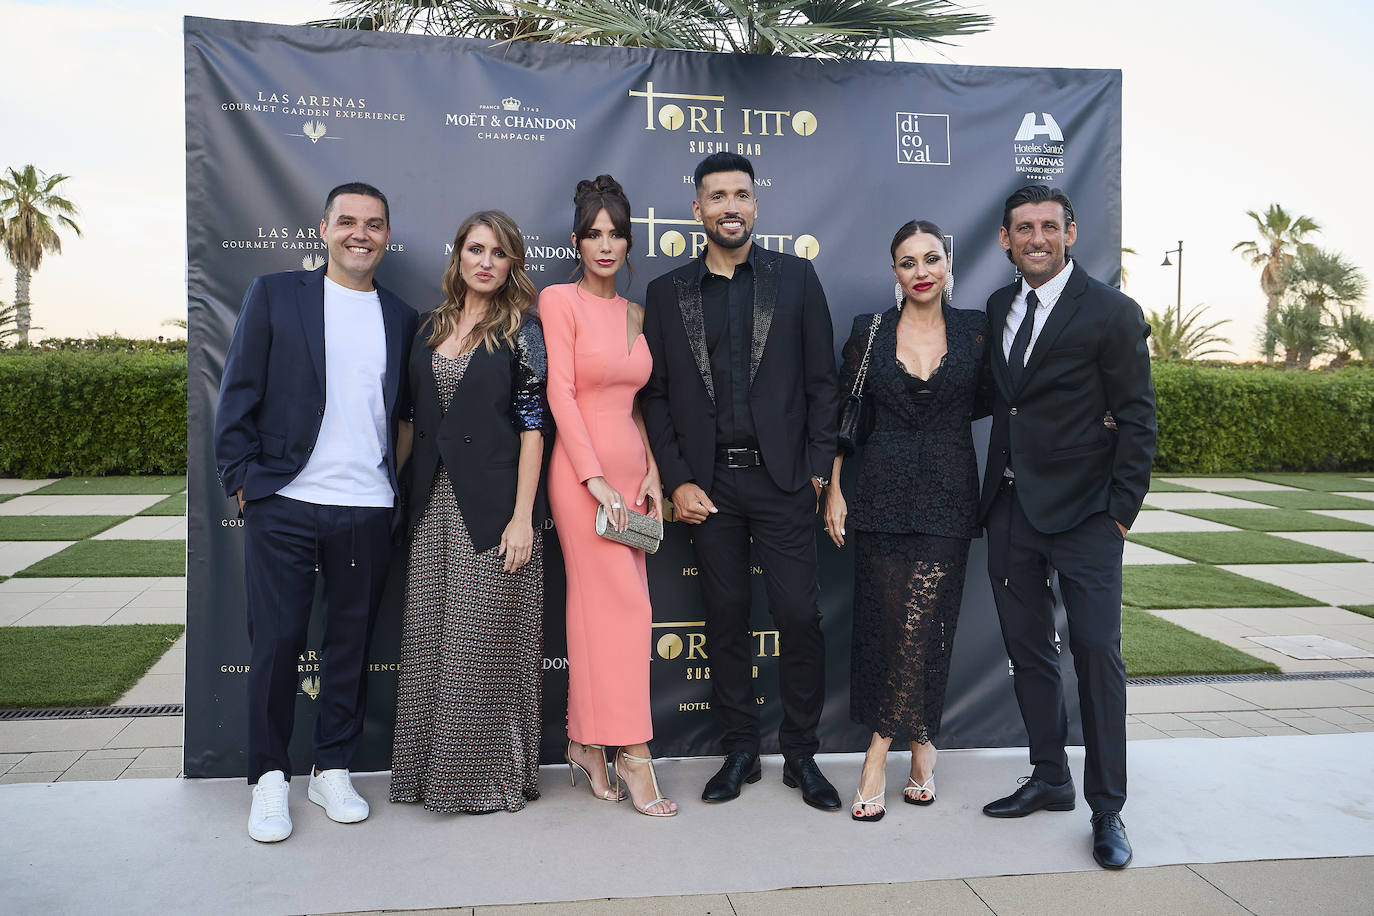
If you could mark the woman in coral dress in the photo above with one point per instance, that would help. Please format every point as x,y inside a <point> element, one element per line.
<point>598,361</point>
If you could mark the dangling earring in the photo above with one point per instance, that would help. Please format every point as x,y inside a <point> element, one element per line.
<point>949,286</point>
<point>901,295</point>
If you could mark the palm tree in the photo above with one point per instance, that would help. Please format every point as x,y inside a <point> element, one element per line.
<point>1124,251</point>
<point>851,29</point>
<point>1299,332</point>
<point>1351,332</point>
<point>7,319</point>
<point>1280,239</point>
<point>1174,336</point>
<point>31,212</point>
<point>1320,284</point>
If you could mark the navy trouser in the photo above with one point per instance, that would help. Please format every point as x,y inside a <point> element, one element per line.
<point>782,529</point>
<point>1088,560</point>
<point>285,541</point>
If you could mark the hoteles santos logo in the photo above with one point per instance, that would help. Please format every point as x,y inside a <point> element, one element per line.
<point>922,139</point>
<point>666,239</point>
<point>1039,147</point>
<point>709,117</point>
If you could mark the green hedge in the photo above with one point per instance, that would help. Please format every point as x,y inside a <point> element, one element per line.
<point>92,412</point>
<point>1240,419</point>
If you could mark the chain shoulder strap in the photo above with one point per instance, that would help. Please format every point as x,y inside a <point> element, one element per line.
<point>868,351</point>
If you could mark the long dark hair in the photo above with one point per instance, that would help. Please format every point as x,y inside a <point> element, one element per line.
<point>591,197</point>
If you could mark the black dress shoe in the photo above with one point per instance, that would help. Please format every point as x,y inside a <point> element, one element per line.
<point>1111,849</point>
<point>816,789</point>
<point>739,767</point>
<point>1033,795</point>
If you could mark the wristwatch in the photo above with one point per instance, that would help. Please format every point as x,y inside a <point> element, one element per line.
<point>823,481</point>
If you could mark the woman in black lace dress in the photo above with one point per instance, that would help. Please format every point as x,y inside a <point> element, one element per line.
<point>914,509</point>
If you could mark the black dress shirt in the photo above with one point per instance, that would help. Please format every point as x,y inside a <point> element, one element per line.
<point>728,315</point>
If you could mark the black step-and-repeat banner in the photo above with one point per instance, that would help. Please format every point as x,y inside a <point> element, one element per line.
<point>845,152</point>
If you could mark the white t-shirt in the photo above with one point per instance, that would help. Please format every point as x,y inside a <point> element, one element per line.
<point>348,465</point>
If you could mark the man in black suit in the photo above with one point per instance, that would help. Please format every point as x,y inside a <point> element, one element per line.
<point>1060,491</point>
<point>305,441</point>
<point>740,410</point>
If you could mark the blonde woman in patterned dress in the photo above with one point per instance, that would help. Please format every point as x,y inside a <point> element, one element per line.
<point>467,705</point>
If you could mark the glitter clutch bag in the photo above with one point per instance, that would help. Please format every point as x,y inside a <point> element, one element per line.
<point>644,532</point>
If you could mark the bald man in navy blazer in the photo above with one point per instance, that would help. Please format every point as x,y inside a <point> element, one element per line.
<point>306,441</point>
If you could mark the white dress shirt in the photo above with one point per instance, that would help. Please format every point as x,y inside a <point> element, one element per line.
<point>1048,294</point>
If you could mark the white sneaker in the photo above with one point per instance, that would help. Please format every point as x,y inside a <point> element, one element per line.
<point>333,791</point>
<point>270,820</point>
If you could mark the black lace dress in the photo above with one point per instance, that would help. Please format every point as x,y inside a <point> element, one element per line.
<point>912,514</point>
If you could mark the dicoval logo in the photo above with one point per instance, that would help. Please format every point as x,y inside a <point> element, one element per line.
<point>922,139</point>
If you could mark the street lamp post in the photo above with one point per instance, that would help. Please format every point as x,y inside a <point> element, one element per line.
<point>1178,303</point>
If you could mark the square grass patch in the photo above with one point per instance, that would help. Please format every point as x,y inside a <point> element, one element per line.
<point>113,486</point>
<point>1193,585</point>
<point>1365,609</point>
<point>113,558</point>
<point>6,497</point>
<point>1155,647</point>
<point>1330,483</point>
<point>173,505</point>
<point>1222,548</point>
<point>1164,486</point>
<point>1276,520</point>
<point>1303,499</point>
<point>55,527</point>
<point>77,666</point>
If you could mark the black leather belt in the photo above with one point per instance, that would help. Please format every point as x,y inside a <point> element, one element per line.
<point>739,457</point>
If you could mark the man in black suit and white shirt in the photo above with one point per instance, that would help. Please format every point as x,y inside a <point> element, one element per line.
<point>740,411</point>
<point>1059,493</point>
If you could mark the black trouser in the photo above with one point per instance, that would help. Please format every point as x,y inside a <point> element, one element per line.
<point>782,526</point>
<point>1088,560</point>
<point>283,541</point>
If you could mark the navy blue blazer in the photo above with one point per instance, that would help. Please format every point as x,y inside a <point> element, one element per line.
<point>271,396</point>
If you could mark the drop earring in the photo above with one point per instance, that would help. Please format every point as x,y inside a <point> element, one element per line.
<point>897,291</point>
<point>949,286</point>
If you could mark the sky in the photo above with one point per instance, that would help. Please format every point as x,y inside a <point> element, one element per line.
<point>1227,107</point>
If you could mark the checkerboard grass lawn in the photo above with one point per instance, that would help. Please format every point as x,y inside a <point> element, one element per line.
<point>1195,585</point>
<point>1302,499</point>
<point>1277,519</point>
<point>1332,483</point>
<point>1153,646</point>
<point>6,497</point>
<point>176,505</point>
<point>1164,486</point>
<point>113,558</point>
<point>55,527</point>
<point>113,486</point>
<point>77,666</point>
<point>1224,547</point>
<point>1365,609</point>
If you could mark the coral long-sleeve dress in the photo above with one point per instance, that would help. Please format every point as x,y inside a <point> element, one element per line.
<point>593,379</point>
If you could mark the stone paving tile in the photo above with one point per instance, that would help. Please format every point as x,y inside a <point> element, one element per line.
<point>59,734</point>
<point>1253,718</point>
<point>1226,729</point>
<point>1203,717</point>
<point>1363,494</point>
<point>1349,515</point>
<point>1144,699</point>
<point>47,761</point>
<point>142,583</point>
<point>146,528</point>
<point>1157,522</point>
<point>111,753</point>
<point>155,689</point>
<point>173,661</point>
<point>49,586</point>
<point>113,599</point>
<point>1340,716</point>
<point>47,504</point>
<point>66,617</point>
<point>1332,583</point>
<point>29,777</point>
<point>158,598</point>
<point>1278,730</point>
<point>1136,731</point>
<point>159,757</point>
<point>149,731</point>
<point>954,898</point>
<point>1219,484</point>
<point>1351,543</point>
<point>1164,721</point>
<point>17,555</point>
<point>1312,647</point>
<point>1314,726</point>
<point>1135,554</point>
<point>148,615</point>
<point>19,485</point>
<point>14,605</point>
<point>1235,626</point>
<point>92,770</point>
<point>1171,889</point>
<point>1189,733</point>
<point>1192,501</point>
<point>1330,887</point>
<point>1295,694</point>
<point>151,773</point>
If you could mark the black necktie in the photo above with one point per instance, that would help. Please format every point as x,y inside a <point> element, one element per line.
<point>1016,360</point>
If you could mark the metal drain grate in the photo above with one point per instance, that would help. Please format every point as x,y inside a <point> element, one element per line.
<point>1242,678</point>
<point>93,712</point>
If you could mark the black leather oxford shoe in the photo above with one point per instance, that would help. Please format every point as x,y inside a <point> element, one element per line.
<point>1033,795</point>
<point>815,788</point>
<point>1111,849</point>
<point>739,767</point>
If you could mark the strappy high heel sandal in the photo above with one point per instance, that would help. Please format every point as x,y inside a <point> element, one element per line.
<point>856,810</point>
<point>914,790</point>
<point>610,795</point>
<point>615,765</point>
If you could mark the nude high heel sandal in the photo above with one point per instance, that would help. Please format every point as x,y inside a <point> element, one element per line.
<point>611,795</point>
<point>615,765</point>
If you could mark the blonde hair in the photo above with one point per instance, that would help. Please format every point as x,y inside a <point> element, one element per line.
<point>509,305</point>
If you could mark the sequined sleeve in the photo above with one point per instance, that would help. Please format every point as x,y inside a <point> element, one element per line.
<point>531,369</point>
